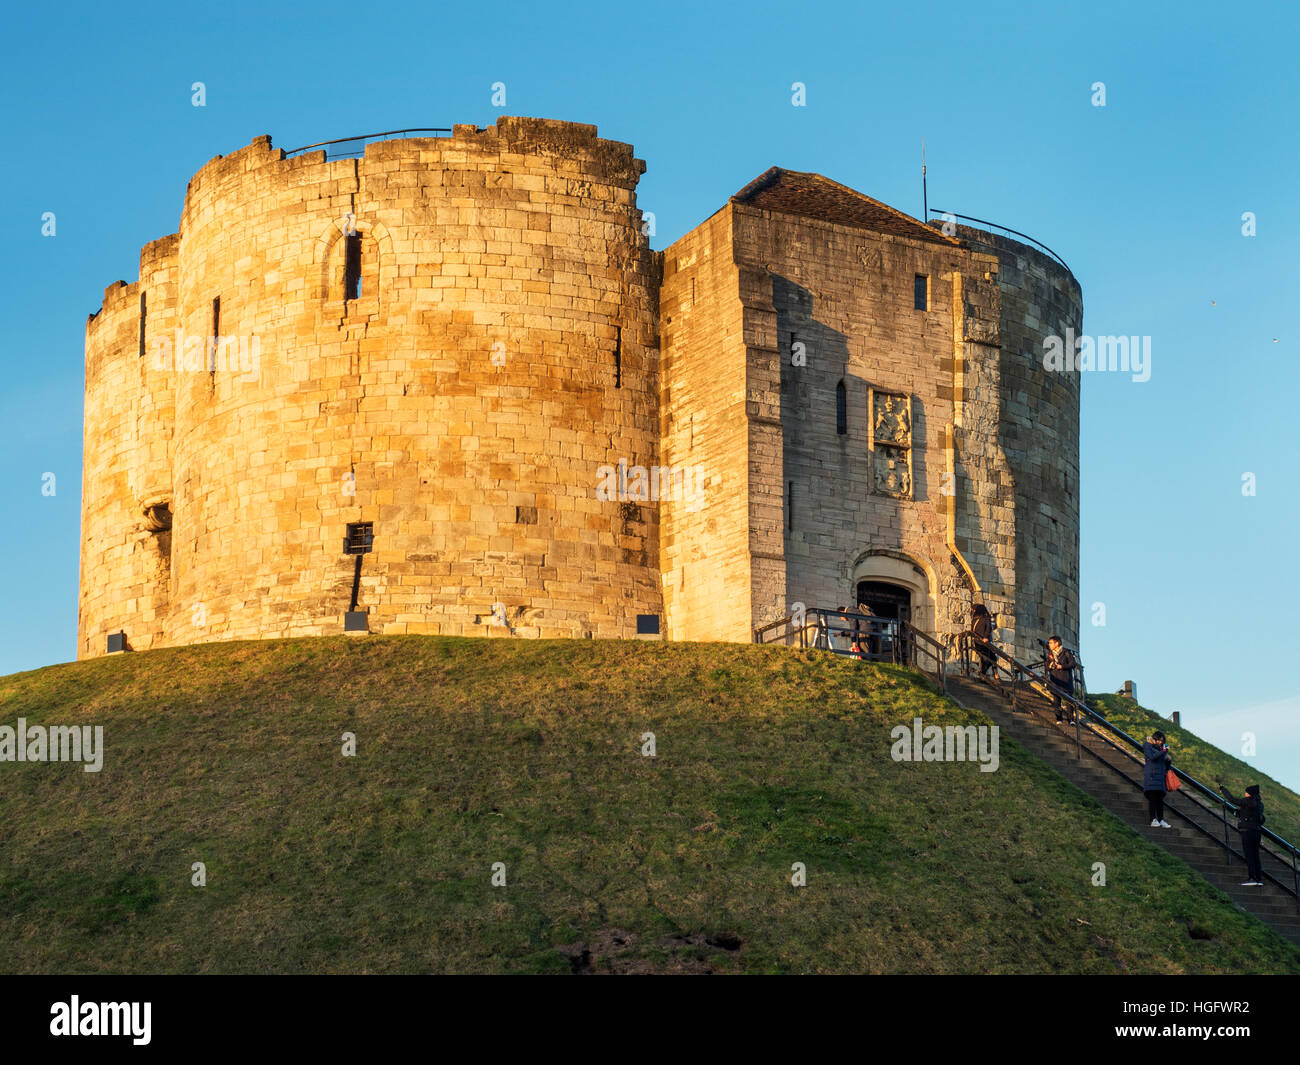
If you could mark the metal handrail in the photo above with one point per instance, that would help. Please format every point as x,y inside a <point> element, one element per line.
<point>1005,229</point>
<point>1043,685</point>
<point>938,650</point>
<point>819,628</point>
<point>365,137</point>
<point>758,633</point>
<point>821,623</point>
<point>1023,677</point>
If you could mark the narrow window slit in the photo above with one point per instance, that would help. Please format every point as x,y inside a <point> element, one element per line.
<point>216,336</point>
<point>352,266</point>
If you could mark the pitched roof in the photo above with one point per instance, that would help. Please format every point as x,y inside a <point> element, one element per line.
<point>814,196</point>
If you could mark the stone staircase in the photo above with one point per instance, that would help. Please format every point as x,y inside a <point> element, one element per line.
<point>1113,777</point>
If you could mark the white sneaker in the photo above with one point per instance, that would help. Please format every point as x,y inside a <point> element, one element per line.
<point>1165,824</point>
<point>1251,883</point>
<point>1155,824</point>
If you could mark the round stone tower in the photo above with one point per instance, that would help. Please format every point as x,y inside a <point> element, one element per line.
<point>390,386</point>
<point>1038,434</point>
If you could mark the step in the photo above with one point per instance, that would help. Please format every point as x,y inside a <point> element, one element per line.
<point>1273,909</point>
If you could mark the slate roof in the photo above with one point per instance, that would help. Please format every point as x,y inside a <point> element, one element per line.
<point>814,196</point>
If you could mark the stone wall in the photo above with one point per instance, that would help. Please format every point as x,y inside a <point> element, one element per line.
<point>985,516</point>
<point>704,541</point>
<point>981,508</point>
<point>1039,433</point>
<point>502,349</point>
<point>844,295</point>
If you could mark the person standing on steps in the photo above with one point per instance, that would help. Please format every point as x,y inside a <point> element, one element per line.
<point>843,612</point>
<point>1158,759</point>
<point>981,626</point>
<point>1250,823</point>
<point>1060,677</point>
<point>872,637</point>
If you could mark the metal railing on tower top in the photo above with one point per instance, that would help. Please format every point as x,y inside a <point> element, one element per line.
<point>1005,229</point>
<point>356,146</point>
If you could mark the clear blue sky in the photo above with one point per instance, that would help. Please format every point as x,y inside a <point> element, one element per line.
<point>1143,198</point>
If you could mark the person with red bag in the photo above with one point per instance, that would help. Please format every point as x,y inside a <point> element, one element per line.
<point>1154,777</point>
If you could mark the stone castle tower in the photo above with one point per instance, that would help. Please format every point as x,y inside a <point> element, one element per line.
<point>449,388</point>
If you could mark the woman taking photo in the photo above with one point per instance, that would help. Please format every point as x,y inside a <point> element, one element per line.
<point>1158,758</point>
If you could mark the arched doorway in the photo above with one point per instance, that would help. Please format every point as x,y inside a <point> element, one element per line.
<point>885,599</point>
<point>894,586</point>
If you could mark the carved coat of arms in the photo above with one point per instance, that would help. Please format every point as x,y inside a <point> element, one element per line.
<point>891,436</point>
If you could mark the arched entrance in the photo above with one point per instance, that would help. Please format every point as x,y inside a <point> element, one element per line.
<point>894,586</point>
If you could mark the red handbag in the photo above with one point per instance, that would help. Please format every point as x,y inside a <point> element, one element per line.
<point>1172,783</point>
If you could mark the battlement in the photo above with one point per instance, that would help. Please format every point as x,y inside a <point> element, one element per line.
<point>113,295</point>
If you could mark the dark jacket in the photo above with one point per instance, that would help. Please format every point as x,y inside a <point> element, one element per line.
<point>1250,810</point>
<point>1061,669</point>
<point>1158,760</point>
<point>983,627</point>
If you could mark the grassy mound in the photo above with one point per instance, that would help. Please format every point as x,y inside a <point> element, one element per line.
<point>529,753</point>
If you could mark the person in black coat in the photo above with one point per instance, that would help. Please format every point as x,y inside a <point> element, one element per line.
<point>981,625</point>
<point>1060,676</point>
<point>1250,823</point>
<point>1157,760</point>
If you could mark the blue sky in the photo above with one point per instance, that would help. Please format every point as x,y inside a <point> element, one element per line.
<point>1143,198</point>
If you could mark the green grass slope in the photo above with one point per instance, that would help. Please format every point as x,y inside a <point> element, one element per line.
<point>1206,762</point>
<point>528,753</point>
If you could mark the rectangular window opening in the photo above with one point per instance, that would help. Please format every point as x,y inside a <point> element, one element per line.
<point>921,293</point>
<point>618,357</point>
<point>144,308</point>
<point>360,538</point>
